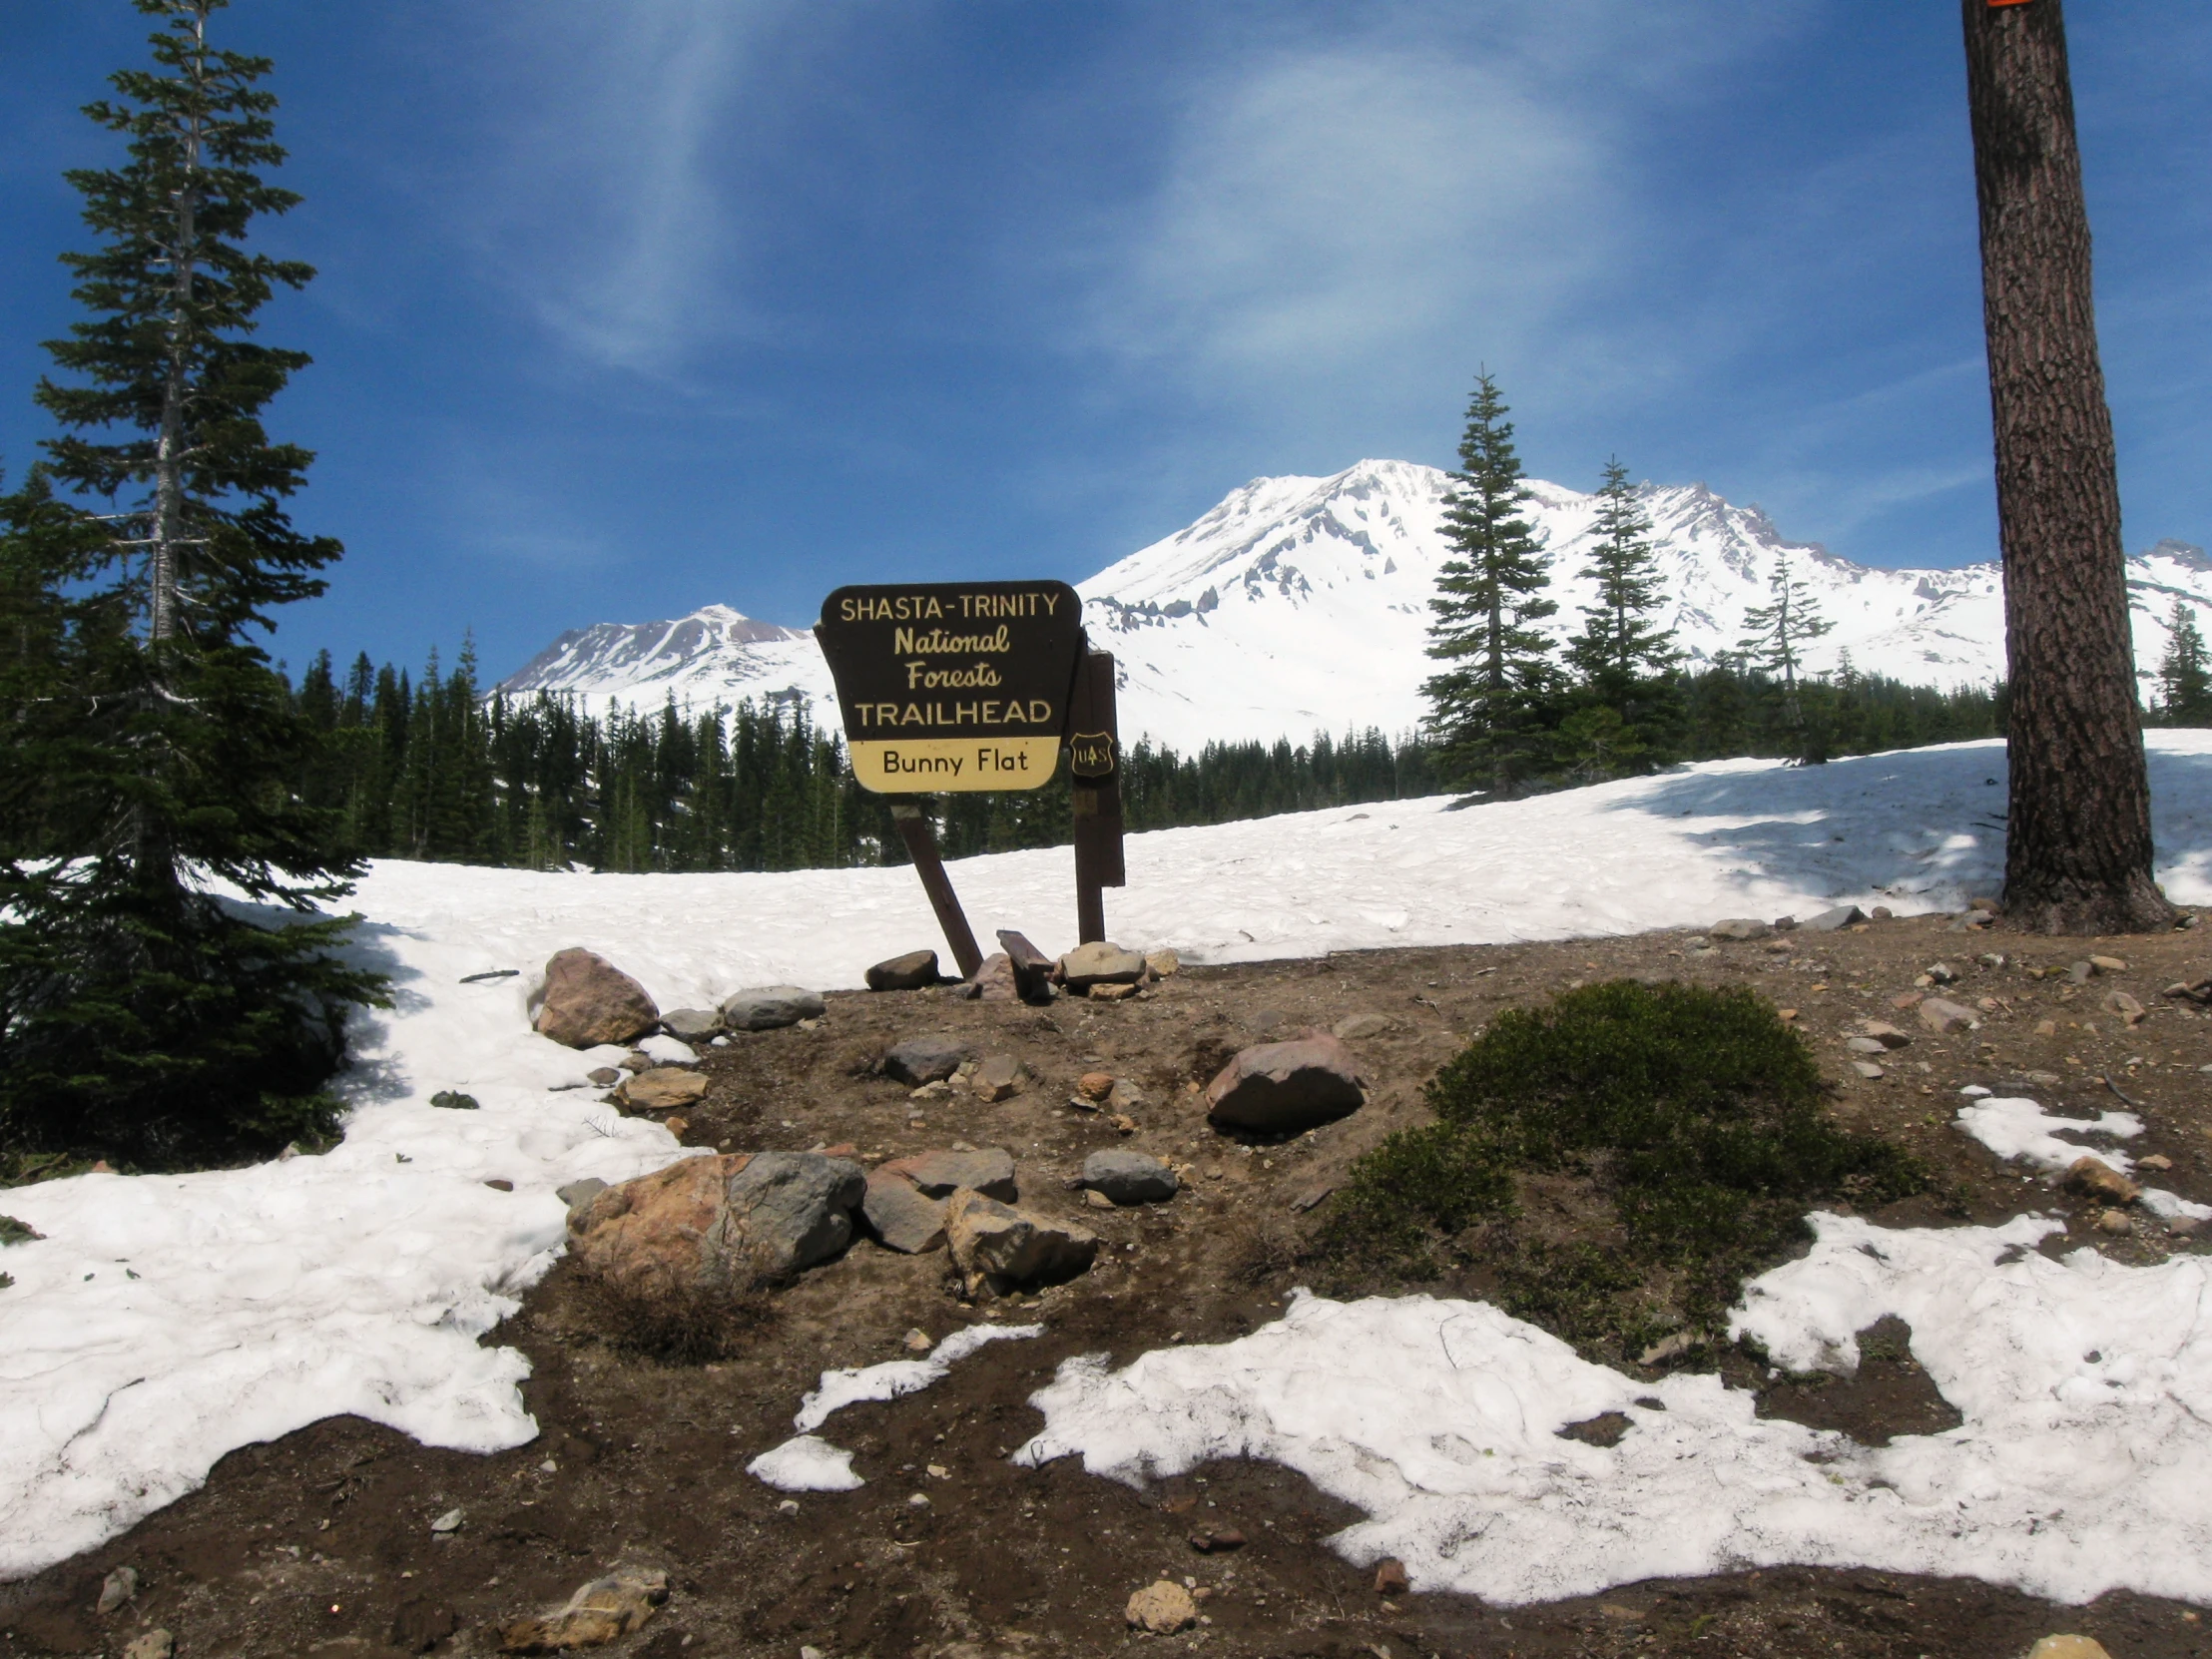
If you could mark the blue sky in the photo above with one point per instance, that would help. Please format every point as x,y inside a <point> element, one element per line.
<point>625,309</point>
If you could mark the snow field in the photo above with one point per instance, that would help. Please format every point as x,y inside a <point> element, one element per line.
<point>164,1320</point>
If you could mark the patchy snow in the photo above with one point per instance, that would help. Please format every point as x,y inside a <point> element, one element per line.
<point>2022,1129</point>
<point>839,1389</point>
<point>164,1320</point>
<point>808,1463</point>
<point>805,1463</point>
<point>2080,1466</point>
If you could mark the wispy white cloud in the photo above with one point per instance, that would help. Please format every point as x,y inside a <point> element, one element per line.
<point>1344,225</point>
<point>598,195</point>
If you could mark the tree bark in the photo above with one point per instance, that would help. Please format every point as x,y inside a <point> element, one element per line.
<point>2077,847</point>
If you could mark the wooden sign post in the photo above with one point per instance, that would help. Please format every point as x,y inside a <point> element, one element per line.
<point>1094,766</point>
<point>955,686</point>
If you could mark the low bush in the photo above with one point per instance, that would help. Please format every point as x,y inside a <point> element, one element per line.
<point>1693,1117</point>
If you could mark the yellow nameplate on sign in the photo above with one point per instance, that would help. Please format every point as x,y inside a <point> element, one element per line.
<point>927,764</point>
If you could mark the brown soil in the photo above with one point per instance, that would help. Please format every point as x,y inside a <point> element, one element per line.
<point>320,1542</point>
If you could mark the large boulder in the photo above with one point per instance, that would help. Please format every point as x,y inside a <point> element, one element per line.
<point>1127,1176</point>
<point>1739,927</point>
<point>588,1002</point>
<point>1828,922</point>
<point>767,1007</point>
<point>998,1248</point>
<point>909,972</point>
<point>1281,1088</point>
<point>914,1061</point>
<point>717,1223</point>
<point>1100,963</point>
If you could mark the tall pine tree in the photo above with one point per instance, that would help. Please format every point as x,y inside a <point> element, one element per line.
<point>2184,673</point>
<point>139,1014</point>
<point>1624,659</point>
<point>1488,710</point>
<point>1775,638</point>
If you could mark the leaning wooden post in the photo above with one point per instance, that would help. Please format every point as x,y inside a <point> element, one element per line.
<point>914,830</point>
<point>1094,764</point>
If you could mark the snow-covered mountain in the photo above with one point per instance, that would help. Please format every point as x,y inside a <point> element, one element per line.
<point>1301,604</point>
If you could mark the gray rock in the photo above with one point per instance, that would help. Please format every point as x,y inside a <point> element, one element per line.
<point>605,1076</point>
<point>1354,1027</point>
<point>1864,1045</point>
<point>577,1194</point>
<point>997,1078</point>
<point>1279,1088</point>
<point>899,1217</point>
<point>768,1007</point>
<point>1829,921</point>
<point>988,1170</point>
<point>1867,1069</point>
<point>117,1589</point>
<point>587,1002</point>
<point>1939,1015</point>
<point>914,1061</point>
<point>998,1248</point>
<point>796,1208</point>
<point>1100,963</point>
<point>692,1026</point>
<point>1129,1177</point>
<point>910,973</point>
<point>995,981</point>
<point>1882,1032</point>
<point>1739,927</point>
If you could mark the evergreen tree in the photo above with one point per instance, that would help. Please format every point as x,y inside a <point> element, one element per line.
<point>139,1015</point>
<point>1487,711</point>
<point>2184,677</point>
<point>1775,636</point>
<point>1626,659</point>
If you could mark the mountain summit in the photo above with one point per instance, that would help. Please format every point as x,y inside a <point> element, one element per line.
<point>1301,604</point>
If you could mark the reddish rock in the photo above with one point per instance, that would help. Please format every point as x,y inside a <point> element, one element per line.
<point>1278,1088</point>
<point>588,1002</point>
<point>715,1224</point>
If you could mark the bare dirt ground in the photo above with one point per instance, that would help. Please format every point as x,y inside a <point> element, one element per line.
<point>321,1543</point>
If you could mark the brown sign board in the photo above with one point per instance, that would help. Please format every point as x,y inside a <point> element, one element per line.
<point>954,685</point>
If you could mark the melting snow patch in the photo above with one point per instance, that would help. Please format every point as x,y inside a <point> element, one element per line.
<point>894,1378</point>
<point>2084,1461</point>
<point>2021,1129</point>
<point>805,1463</point>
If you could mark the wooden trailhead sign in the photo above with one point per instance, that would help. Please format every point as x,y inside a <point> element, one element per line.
<point>948,686</point>
<point>954,685</point>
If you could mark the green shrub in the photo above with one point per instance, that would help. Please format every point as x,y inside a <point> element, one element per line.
<point>1695,1115</point>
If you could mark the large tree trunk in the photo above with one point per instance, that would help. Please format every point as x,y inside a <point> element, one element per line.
<point>2078,849</point>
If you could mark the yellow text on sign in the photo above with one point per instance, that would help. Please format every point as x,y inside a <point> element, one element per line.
<point>924,766</point>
